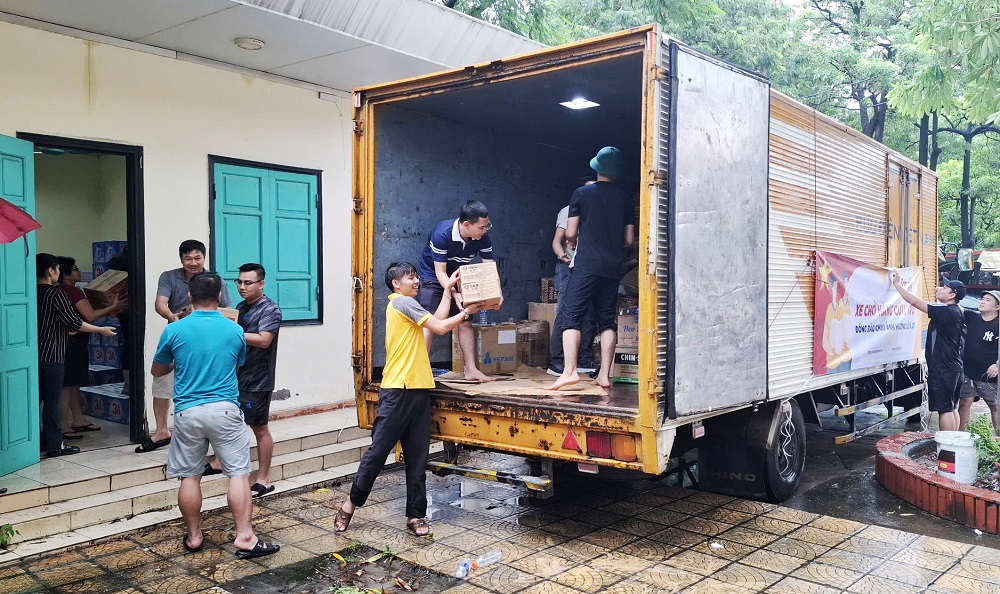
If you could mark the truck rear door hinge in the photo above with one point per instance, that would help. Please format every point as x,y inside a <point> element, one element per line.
<point>359,127</point>
<point>358,284</point>
<point>658,179</point>
<point>358,205</point>
<point>660,73</point>
<point>356,360</point>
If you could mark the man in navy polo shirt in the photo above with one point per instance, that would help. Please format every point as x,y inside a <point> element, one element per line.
<point>452,244</point>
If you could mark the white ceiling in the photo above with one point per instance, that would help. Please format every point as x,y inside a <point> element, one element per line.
<point>339,44</point>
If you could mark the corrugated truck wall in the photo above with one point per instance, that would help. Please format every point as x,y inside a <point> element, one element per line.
<point>828,191</point>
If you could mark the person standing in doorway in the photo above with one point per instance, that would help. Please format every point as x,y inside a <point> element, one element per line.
<point>602,218</point>
<point>56,321</point>
<point>260,319</point>
<point>204,349</point>
<point>980,359</point>
<point>77,366</point>
<point>565,251</point>
<point>173,303</point>
<point>452,244</point>
<point>404,404</point>
<point>944,348</point>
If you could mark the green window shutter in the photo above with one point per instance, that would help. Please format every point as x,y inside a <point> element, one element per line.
<point>270,217</point>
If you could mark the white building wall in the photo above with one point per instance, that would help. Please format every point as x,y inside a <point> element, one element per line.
<point>180,113</point>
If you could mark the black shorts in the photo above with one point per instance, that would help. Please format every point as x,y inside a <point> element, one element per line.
<point>256,406</point>
<point>430,295</point>
<point>944,388</point>
<point>584,290</point>
<point>77,360</point>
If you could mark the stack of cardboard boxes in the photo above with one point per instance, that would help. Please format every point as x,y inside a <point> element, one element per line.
<point>103,398</point>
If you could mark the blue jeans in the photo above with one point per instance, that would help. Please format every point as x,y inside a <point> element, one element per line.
<point>588,328</point>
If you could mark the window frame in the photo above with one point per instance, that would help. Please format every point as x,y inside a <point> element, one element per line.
<point>214,160</point>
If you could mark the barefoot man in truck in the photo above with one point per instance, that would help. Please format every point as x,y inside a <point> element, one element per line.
<point>944,348</point>
<point>404,405</point>
<point>602,217</point>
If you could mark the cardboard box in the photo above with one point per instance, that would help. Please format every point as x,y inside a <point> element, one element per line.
<point>548,293</point>
<point>625,368</point>
<point>101,291</point>
<point>481,284</point>
<point>230,313</point>
<point>102,374</point>
<point>532,344</point>
<point>106,402</point>
<point>628,327</point>
<point>496,349</point>
<point>543,312</point>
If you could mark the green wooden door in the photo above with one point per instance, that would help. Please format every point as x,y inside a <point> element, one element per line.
<point>270,217</point>
<point>19,434</point>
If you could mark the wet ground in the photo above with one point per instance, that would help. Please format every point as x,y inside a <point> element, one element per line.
<point>840,534</point>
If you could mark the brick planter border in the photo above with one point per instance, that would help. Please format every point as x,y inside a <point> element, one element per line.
<point>922,487</point>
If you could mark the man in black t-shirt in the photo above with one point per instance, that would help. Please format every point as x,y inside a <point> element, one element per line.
<point>944,348</point>
<point>260,319</point>
<point>601,222</point>
<point>982,338</point>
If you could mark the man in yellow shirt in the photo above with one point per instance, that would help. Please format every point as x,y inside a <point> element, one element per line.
<point>404,406</point>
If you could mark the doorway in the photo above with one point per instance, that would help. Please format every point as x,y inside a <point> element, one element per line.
<point>89,202</point>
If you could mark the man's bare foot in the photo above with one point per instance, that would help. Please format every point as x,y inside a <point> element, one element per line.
<point>474,375</point>
<point>157,436</point>
<point>602,382</point>
<point>566,379</point>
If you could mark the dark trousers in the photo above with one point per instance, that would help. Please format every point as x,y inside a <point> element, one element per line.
<point>404,416</point>
<point>50,385</point>
<point>588,329</point>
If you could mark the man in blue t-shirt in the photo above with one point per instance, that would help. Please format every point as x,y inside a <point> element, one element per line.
<point>601,222</point>
<point>452,244</point>
<point>203,351</point>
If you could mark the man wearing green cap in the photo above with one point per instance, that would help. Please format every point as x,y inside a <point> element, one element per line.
<point>601,222</point>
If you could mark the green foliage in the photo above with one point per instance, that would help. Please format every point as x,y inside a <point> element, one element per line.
<point>529,18</point>
<point>984,193</point>
<point>7,533</point>
<point>960,45</point>
<point>987,444</point>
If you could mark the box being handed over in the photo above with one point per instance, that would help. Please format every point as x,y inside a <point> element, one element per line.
<point>101,291</point>
<point>480,283</point>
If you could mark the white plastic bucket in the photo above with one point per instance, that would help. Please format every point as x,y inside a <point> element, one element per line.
<point>957,456</point>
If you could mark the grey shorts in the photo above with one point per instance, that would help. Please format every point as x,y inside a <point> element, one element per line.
<point>217,423</point>
<point>979,389</point>
<point>163,386</point>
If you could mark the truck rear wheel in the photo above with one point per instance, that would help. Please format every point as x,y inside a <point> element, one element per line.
<point>786,452</point>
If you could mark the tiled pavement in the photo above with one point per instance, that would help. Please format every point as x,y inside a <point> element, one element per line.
<point>633,537</point>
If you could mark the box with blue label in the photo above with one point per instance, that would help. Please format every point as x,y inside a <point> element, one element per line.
<point>113,356</point>
<point>102,374</point>
<point>97,353</point>
<point>628,327</point>
<point>496,349</point>
<point>106,402</point>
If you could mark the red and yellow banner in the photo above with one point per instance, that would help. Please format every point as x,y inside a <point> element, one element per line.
<point>861,320</point>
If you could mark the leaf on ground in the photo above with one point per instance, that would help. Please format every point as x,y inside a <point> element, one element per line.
<point>339,558</point>
<point>402,584</point>
<point>322,490</point>
<point>373,558</point>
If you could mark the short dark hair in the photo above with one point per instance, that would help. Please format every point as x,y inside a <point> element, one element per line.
<point>253,267</point>
<point>396,271</point>
<point>472,211</point>
<point>43,262</point>
<point>585,180</point>
<point>66,265</point>
<point>205,288</point>
<point>191,245</point>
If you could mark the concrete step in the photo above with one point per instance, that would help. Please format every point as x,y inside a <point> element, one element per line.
<point>96,472</point>
<point>288,471</point>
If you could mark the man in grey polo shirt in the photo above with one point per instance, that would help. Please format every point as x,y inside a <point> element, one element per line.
<point>172,303</point>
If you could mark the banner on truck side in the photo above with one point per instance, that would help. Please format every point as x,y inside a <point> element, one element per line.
<point>861,320</point>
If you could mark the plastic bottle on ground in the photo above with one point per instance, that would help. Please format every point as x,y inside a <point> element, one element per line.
<point>487,559</point>
<point>463,569</point>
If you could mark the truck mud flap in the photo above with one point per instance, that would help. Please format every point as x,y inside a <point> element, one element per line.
<point>732,458</point>
<point>539,487</point>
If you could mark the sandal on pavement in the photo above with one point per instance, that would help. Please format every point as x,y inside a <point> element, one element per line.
<point>87,427</point>
<point>190,548</point>
<point>148,445</point>
<point>260,550</point>
<point>209,471</point>
<point>71,435</point>
<point>260,490</point>
<point>418,527</point>
<point>342,521</point>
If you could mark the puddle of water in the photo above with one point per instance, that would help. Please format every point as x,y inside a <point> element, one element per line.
<point>323,575</point>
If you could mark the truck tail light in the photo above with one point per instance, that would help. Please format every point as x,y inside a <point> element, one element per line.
<point>623,447</point>
<point>598,444</point>
<point>617,446</point>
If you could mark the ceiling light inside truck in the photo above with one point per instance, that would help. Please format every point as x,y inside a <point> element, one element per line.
<point>579,103</point>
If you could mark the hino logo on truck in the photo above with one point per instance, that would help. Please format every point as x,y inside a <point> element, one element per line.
<point>746,477</point>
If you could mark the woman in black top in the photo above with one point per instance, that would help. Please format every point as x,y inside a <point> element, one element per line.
<point>56,321</point>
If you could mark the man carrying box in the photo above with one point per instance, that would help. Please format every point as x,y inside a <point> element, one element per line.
<point>452,244</point>
<point>173,303</point>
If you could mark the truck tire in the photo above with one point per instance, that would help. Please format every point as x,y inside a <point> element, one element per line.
<point>786,452</point>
